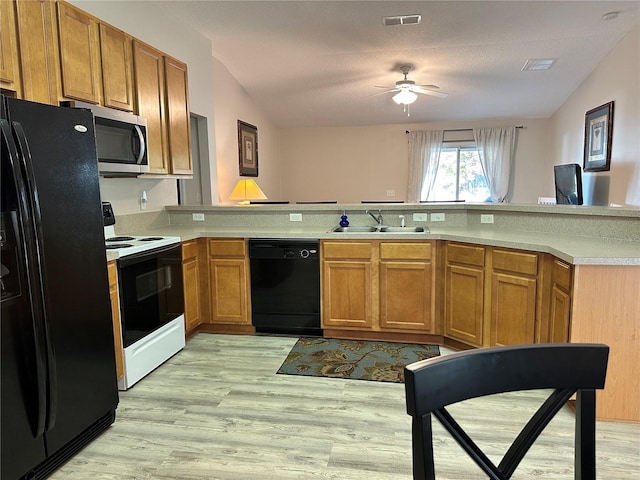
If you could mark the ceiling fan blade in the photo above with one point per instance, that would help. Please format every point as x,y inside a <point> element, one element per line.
<point>429,92</point>
<point>382,93</point>
<point>429,87</point>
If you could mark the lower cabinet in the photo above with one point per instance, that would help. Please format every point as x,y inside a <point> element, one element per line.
<point>464,293</point>
<point>407,286</point>
<point>514,297</point>
<point>191,272</point>
<point>560,302</point>
<point>378,286</point>
<point>229,298</point>
<point>492,295</point>
<point>115,312</point>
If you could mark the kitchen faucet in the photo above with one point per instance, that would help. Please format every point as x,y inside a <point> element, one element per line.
<point>378,219</point>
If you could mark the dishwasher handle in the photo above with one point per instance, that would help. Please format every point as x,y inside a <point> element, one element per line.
<point>284,249</point>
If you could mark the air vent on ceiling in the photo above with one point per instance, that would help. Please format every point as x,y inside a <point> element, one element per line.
<point>402,20</point>
<point>535,64</point>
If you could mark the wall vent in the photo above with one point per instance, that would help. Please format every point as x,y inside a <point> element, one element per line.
<point>402,20</point>
<point>534,64</point>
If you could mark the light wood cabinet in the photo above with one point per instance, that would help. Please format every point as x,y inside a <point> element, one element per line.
<point>191,271</point>
<point>10,81</point>
<point>492,295</point>
<point>117,64</point>
<point>464,293</point>
<point>177,113</point>
<point>560,302</point>
<point>514,293</point>
<point>149,91</point>
<point>161,88</point>
<point>115,312</point>
<point>347,284</point>
<point>378,288</point>
<point>79,54</point>
<point>406,286</point>
<point>39,51</point>
<point>229,284</point>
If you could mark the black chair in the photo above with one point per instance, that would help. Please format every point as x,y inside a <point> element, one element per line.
<point>433,384</point>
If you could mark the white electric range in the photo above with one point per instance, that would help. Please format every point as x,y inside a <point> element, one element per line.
<point>151,293</point>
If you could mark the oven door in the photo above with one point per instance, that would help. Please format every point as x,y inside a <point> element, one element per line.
<point>151,293</point>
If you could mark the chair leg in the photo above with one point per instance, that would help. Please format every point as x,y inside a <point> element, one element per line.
<point>423,468</point>
<point>585,440</point>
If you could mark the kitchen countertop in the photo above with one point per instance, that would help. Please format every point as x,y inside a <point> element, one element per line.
<point>576,250</point>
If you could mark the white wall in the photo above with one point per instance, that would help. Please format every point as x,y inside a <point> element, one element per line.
<point>151,25</point>
<point>616,78</point>
<point>233,104</point>
<point>350,164</point>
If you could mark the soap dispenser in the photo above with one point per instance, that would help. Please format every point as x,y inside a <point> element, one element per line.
<point>344,221</point>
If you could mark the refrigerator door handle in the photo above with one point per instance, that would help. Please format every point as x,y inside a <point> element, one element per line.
<point>32,195</point>
<point>24,229</point>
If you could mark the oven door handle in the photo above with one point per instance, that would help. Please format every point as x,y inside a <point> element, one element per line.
<point>142,256</point>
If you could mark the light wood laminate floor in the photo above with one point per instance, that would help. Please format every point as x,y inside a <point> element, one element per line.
<point>217,410</point>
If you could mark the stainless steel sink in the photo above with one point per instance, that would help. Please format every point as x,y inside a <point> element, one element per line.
<point>403,229</point>
<point>355,229</point>
<point>380,230</point>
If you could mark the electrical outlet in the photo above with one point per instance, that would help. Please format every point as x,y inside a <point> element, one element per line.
<point>419,217</point>
<point>391,193</point>
<point>198,217</point>
<point>295,217</point>
<point>486,218</point>
<point>437,217</point>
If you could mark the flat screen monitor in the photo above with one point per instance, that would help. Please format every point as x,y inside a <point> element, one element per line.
<point>568,180</point>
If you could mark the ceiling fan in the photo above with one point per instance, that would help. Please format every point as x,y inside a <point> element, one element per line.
<point>407,90</point>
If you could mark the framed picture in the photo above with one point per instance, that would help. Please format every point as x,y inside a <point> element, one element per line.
<point>598,131</point>
<point>248,149</point>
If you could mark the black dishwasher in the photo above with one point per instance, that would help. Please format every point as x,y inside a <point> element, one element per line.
<point>285,286</point>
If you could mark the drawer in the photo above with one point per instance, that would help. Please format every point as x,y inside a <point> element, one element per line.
<point>515,262</point>
<point>227,248</point>
<point>465,254</point>
<point>405,251</point>
<point>189,249</point>
<point>350,250</point>
<point>562,274</point>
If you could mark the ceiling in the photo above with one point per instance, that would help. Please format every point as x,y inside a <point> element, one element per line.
<point>317,63</point>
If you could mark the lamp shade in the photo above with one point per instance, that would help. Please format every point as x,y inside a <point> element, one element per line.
<point>405,97</point>
<point>246,190</point>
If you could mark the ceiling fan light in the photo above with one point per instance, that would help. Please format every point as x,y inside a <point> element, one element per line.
<point>405,97</point>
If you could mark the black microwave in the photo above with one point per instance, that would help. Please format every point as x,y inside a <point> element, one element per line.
<point>121,140</point>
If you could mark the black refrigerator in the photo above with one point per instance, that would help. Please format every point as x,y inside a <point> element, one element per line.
<point>59,388</point>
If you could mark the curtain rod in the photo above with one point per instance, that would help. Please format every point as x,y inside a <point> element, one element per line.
<point>461,129</point>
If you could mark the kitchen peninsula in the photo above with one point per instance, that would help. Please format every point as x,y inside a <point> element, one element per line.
<point>577,265</point>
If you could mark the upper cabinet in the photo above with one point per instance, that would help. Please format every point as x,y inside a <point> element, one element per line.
<point>39,52</point>
<point>96,60</point>
<point>162,98</point>
<point>52,51</point>
<point>79,54</point>
<point>177,98</point>
<point>9,68</point>
<point>149,88</point>
<point>117,65</point>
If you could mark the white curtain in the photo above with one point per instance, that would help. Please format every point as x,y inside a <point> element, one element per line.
<point>495,148</point>
<point>424,156</point>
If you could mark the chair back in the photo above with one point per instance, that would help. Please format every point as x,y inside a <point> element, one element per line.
<point>567,369</point>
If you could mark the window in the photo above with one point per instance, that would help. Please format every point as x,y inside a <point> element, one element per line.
<point>459,176</point>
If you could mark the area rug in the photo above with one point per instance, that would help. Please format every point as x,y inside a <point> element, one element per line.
<point>355,359</point>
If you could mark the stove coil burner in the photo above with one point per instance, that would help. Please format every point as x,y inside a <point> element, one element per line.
<point>120,239</point>
<point>113,246</point>
<point>150,239</point>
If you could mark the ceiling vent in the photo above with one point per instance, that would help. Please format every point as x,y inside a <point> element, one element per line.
<point>536,64</point>
<point>402,20</point>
